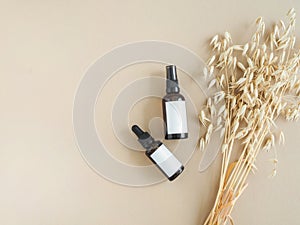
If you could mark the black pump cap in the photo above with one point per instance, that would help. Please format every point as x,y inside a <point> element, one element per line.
<point>139,132</point>
<point>172,73</point>
<point>172,81</point>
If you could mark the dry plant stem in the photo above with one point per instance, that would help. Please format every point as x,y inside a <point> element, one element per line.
<point>256,151</point>
<point>226,157</point>
<point>243,163</point>
<point>252,103</point>
<point>246,162</point>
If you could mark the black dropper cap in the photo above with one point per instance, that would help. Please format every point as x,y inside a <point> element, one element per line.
<point>139,132</point>
<point>145,138</point>
<point>172,80</point>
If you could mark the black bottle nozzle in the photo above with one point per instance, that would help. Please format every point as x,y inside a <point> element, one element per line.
<point>172,73</point>
<point>139,132</point>
<point>172,80</point>
<point>144,138</point>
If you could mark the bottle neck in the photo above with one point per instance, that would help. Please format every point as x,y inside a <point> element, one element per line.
<point>172,87</point>
<point>149,143</point>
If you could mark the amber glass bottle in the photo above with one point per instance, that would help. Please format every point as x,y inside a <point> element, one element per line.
<point>174,108</point>
<point>159,154</point>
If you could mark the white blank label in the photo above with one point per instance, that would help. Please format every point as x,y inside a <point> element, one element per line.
<point>176,117</point>
<point>166,160</point>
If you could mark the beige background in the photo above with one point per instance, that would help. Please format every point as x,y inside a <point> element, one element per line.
<point>45,47</point>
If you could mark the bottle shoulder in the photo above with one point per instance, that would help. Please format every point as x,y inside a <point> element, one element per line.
<point>173,97</point>
<point>155,145</point>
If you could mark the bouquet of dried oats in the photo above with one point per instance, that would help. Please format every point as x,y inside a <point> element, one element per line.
<point>257,83</point>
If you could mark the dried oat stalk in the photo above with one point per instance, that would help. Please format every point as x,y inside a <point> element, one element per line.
<point>258,82</point>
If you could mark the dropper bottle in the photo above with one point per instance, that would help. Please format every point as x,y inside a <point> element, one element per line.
<point>159,154</point>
